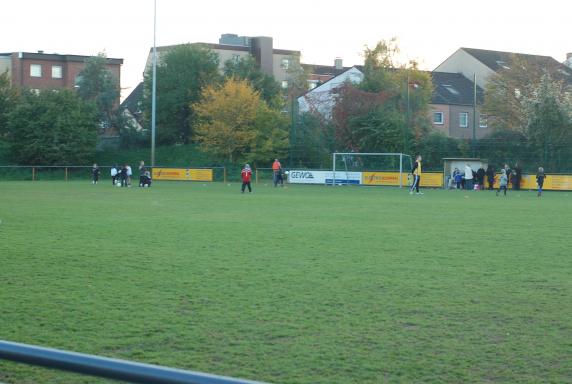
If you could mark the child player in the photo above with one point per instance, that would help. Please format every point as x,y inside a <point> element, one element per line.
<point>416,172</point>
<point>246,176</point>
<point>503,182</point>
<point>540,176</point>
<point>95,174</point>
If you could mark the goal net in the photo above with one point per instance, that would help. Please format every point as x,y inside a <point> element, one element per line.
<point>344,164</point>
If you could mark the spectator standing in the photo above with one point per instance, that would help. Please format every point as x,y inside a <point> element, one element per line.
<point>114,175</point>
<point>508,172</point>
<point>142,173</point>
<point>123,175</point>
<point>490,177</point>
<point>517,177</point>
<point>540,176</point>
<point>468,177</point>
<point>277,173</point>
<point>481,178</point>
<point>95,174</point>
<point>457,178</point>
<point>246,176</point>
<point>129,174</point>
<point>503,182</point>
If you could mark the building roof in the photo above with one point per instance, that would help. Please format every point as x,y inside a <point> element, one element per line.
<point>226,47</point>
<point>328,70</point>
<point>454,89</point>
<point>498,60</point>
<point>132,102</point>
<point>59,57</point>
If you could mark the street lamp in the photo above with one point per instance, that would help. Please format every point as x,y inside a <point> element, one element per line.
<point>154,86</point>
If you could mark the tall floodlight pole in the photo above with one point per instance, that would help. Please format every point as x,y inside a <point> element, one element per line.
<point>154,86</point>
<point>475,115</point>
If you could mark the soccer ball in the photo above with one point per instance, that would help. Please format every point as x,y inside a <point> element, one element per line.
<point>287,173</point>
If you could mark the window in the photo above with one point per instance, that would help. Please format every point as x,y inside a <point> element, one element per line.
<point>502,64</point>
<point>57,72</point>
<point>517,93</point>
<point>483,121</point>
<point>451,89</point>
<point>35,70</point>
<point>77,81</point>
<point>438,118</point>
<point>463,119</point>
<point>312,84</point>
<point>284,84</point>
<point>285,63</point>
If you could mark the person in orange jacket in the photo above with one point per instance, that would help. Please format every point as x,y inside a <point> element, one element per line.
<point>277,173</point>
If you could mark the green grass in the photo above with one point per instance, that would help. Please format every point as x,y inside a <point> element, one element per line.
<point>297,285</point>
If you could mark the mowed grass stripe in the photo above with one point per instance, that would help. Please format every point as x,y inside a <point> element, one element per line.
<point>297,285</point>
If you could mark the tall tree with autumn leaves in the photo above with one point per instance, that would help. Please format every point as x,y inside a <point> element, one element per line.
<point>235,124</point>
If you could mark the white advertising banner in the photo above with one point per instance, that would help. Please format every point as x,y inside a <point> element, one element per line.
<point>323,177</point>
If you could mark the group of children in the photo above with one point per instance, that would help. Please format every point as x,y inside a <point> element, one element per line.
<point>503,181</point>
<point>121,176</point>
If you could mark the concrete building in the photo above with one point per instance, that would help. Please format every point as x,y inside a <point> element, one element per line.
<point>40,71</point>
<point>270,60</point>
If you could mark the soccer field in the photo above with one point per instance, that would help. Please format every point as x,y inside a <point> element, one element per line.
<point>296,285</point>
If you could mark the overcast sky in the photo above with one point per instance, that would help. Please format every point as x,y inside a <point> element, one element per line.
<point>428,31</point>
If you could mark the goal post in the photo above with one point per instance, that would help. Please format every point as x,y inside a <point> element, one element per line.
<point>346,162</point>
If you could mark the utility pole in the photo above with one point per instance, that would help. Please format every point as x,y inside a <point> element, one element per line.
<point>475,115</point>
<point>154,86</point>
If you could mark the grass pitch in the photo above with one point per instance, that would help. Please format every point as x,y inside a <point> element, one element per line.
<point>297,285</point>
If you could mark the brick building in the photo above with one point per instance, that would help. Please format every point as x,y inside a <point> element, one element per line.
<point>39,71</point>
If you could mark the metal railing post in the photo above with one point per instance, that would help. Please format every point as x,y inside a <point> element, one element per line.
<point>106,367</point>
<point>33,173</point>
<point>66,177</point>
<point>224,174</point>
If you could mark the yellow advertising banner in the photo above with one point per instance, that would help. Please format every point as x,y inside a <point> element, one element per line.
<point>392,179</point>
<point>558,182</point>
<point>433,179</point>
<point>185,174</point>
<point>552,182</point>
<point>382,178</point>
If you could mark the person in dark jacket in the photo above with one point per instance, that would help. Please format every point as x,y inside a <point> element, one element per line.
<point>517,177</point>
<point>123,176</point>
<point>508,172</point>
<point>95,174</point>
<point>490,177</point>
<point>142,172</point>
<point>540,176</point>
<point>481,178</point>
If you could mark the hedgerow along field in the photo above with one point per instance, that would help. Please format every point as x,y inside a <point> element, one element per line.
<point>296,285</point>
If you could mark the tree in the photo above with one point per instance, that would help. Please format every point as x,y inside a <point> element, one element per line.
<point>267,86</point>
<point>8,98</point>
<point>235,124</point>
<point>97,84</point>
<point>314,141</point>
<point>409,89</point>
<point>379,67</point>
<point>182,74</point>
<point>53,127</point>
<point>549,121</point>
